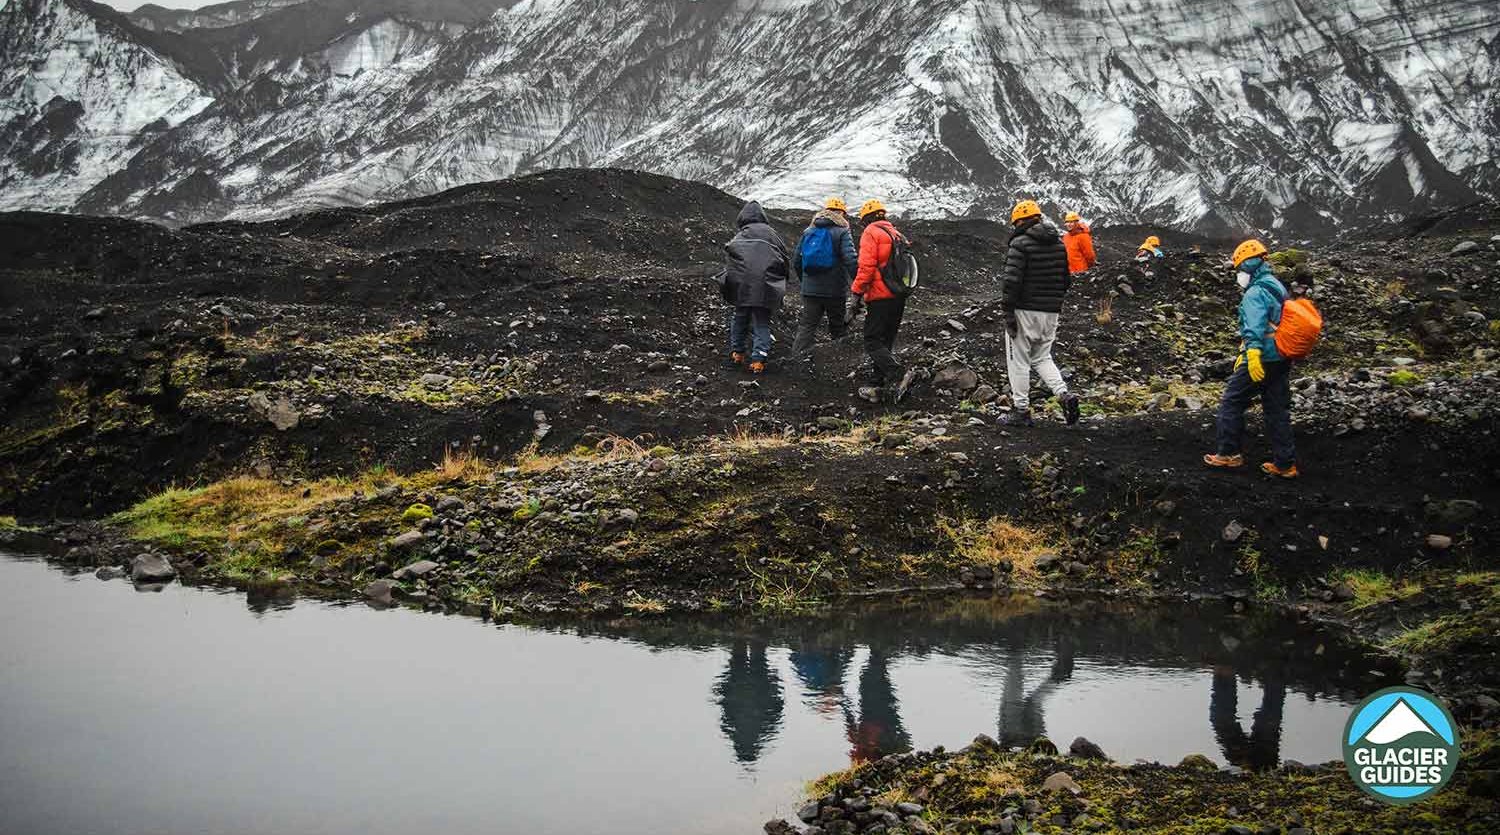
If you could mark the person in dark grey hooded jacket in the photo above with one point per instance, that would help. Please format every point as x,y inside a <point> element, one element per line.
<point>755,274</point>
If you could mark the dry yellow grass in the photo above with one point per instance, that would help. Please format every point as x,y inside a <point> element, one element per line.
<point>997,540</point>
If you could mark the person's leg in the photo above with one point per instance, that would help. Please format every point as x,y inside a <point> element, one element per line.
<point>834,309</point>
<point>1018,366</point>
<point>807,324</point>
<point>1043,330</point>
<point>760,320</point>
<point>1239,392</point>
<point>878,316</point>
<point>739,330</point>
<point>1276,399</point>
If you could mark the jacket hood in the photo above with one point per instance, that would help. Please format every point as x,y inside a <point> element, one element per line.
<point>1043,230</point>
<point>829,217</point>
<point>752,213</point>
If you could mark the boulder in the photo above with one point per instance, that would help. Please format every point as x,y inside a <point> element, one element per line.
<point>379,592</point>
<point>407,541</point>
<point>956,376</point>
<point>420,568</point>
<point>1083,749</point>
<point>1061,781</point>
<point>985,394</point>
<point>151,568</point>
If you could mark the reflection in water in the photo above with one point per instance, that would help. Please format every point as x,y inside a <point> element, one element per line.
<point>749,694</point>
<point>1261,748</point>
<point>1021,719</point>
<point>877,730</point>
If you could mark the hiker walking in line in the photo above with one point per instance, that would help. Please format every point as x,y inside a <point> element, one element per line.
<point>884,309</point>
<point>826,262</point>
<point>1261,370</point>
<point>1149,250</point>
<point>1080,243</point>
<point>755,274</point>
<point>1036,279</point>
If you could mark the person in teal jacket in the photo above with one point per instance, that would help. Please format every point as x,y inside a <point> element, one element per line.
<point>1260,371</point>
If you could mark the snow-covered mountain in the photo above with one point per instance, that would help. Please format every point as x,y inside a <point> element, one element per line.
<point>1206,115</point>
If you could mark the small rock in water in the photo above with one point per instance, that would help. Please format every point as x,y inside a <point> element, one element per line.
<point>379,592</point>
<point>151,568</point>
<point>1083,749</point>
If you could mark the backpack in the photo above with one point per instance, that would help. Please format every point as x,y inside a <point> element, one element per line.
<point>1300,327</point>
<point>900,272</point>
<point>817,249</point>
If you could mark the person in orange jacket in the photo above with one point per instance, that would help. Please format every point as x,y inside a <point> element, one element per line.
<point>884,308</point>
<point>1080,243</point>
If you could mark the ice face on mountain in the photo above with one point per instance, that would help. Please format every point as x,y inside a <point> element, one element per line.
<point>1214,116</point>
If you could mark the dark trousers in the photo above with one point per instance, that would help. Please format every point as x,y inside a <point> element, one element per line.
<point>814,310</point>
<point>1275,393</point>
<point>750,327</point>
<point>882,322</point>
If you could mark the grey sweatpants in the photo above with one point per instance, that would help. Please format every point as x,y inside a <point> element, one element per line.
<point>1030,349</point>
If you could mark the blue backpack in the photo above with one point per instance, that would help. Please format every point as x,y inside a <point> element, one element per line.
<point>817,249</point>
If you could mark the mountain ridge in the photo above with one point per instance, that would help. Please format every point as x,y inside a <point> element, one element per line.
<point>1210,116</point>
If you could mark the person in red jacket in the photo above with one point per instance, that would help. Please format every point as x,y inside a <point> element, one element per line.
<point>883,308</point>
<point>1080,243</point>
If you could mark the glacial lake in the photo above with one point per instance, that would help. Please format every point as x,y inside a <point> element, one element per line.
<point>187,710</point>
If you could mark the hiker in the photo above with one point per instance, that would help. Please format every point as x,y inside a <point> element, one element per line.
<point>1036,278</point>
<point>1080,242</point>
<point>825,261</point>
<point>1149,249</point>
<point>883,309</point>
<point>1260,370</point>
<point>755,273</point>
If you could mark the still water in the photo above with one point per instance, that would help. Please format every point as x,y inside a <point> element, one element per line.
<point>193,711</point>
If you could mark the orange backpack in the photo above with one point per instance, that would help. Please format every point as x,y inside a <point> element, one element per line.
<point>1301,325</point>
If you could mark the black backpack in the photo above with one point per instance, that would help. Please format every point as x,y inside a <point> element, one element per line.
<point>899,273</point>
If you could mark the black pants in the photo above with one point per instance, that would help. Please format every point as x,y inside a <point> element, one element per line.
<point>814,310</point>
<point>882,322</point>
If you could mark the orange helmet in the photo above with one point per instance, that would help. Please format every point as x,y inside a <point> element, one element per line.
<point>1247,250</point>
<point>1025,209</point>
<point>1071,217</point>
<point>836,204</point>
<point>1151,243</point>
<point>871,207</point>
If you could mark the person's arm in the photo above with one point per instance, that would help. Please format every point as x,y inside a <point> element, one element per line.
<point>797,259</point>
<point>869,262</point>
<point>1088,250</point>
<point>1015,275</point>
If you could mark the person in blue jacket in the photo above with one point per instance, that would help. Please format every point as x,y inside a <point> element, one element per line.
<point>826,262</point>
<point>1260,370</point>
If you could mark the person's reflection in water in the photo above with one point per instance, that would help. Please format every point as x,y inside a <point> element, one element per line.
<point>1261,748</point>
<point>749,694</point>
<point>1021,714</point>
<point>820,668</point>
<point>877,731</point>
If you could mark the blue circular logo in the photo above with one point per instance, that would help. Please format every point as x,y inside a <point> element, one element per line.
<point>1401,745</point>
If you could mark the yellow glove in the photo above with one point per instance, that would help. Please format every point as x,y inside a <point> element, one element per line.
<point>1239,361</point>
<point>1257,371</point>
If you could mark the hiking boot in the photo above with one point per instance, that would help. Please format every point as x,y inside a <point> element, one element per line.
<point>758,367</point>
<point>737,357</point>
<point>1224,462</point>
<point>1017,417</point>
<point>904,386</point>
<point>1270,468</point>
<point>1070,409</point>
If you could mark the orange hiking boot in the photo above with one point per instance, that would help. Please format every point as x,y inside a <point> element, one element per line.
<point>1270,468</point>
<point>1225,462</point>
<point>737,357</point>
<point>757,367</point>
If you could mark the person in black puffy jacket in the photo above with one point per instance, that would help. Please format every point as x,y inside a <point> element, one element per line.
<point>755,273</point>
<point>1036,279</point>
